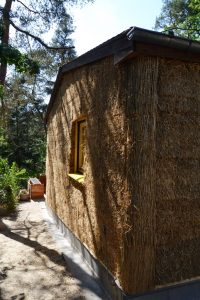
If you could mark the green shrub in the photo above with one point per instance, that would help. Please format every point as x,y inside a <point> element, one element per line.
<point>10,178</point>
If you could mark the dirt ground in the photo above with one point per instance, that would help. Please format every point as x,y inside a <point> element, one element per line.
<point>31,266</point>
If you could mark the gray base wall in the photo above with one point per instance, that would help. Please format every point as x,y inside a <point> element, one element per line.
<point>184,291</point>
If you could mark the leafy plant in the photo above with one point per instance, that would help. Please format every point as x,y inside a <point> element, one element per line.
<point>10,179</point>
<point>181,16</point>
<point>22,62</point>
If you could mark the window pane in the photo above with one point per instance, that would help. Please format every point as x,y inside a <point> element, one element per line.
<point>81,146</point>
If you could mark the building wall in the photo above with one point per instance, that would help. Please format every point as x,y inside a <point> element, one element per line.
<point>178,176</point>
<point>91,210</point>
<point>138,206</point>
<point>100,211</point>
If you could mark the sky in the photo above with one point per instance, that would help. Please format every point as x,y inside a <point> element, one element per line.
<point>97,22</point>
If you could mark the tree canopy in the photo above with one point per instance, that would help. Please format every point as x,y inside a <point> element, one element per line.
<point>31,20</point>
<point>34,37</point>
<point>22,62</point>
<point>181,16</point>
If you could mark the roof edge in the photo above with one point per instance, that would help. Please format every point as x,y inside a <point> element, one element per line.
<point>120,45</point>
<point>124,41</point>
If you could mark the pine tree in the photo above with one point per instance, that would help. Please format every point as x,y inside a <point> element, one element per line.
<point>22,126</point>
<point>31,20</point>
<point>25,131</point>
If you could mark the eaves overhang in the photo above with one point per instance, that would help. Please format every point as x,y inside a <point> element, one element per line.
<point>132,42</point>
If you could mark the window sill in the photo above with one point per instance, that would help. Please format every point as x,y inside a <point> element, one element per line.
<point>77,177</point>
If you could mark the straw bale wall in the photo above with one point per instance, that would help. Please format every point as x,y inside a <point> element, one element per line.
<point>92,209</point>
<point>138,209</point>
<point>178,176</point>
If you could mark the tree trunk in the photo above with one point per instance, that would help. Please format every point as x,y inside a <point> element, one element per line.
<point>5,41</point>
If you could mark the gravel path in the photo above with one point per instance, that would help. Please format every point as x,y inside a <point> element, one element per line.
<point>31,266</point>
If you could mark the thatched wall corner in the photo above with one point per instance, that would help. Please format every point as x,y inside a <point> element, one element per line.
<point>138,209</point>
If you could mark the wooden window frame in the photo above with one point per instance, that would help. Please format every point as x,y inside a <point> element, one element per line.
<point>80,124</point>
<point>81,127</point>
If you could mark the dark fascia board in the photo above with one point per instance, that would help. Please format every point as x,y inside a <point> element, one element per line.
<point>123,45</point>
<point>124,41</point>
<point>106,49</point>
<point>164,40</point>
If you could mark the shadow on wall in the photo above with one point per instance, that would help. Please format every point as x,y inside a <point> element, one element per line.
<point>121,158</point>
<point>106,159</point>
<point>107,199</point>
<point>124,139</point>
<point>106,136</point>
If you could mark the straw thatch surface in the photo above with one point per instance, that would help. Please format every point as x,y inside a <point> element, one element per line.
<point>178,176</point>
<point>139,207</point>
<point>92,210</point>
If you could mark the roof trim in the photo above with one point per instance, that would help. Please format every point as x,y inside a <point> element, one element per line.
<point>108,48</point>
<point>124,41</point>
<point>123,45</point>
